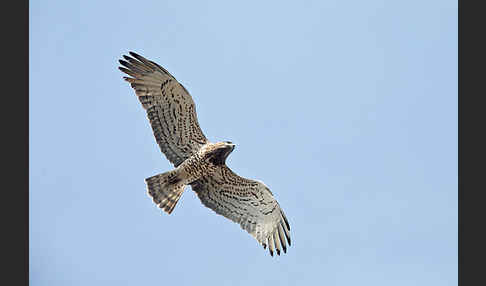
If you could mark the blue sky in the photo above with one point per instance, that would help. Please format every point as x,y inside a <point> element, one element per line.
<point>347,110</point>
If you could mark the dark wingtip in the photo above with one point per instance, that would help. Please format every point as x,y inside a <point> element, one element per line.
<point>125,70</point>
<point>264,246</point>
<point>124,63</point>
<point>278,252</point>
<point>137,56</point>
<point>271,252</point>
<point>285,220</point>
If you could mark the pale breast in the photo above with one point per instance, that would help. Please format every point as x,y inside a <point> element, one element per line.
<point>198,165</point>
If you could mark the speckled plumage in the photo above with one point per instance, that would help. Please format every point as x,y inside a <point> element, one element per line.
<point>198,162</point>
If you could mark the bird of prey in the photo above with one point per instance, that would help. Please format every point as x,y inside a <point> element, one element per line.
<point>198,162</point>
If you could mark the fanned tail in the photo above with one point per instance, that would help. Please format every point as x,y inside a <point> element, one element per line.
<point>165,189</point>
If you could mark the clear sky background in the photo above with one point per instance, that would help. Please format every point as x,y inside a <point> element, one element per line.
<point>347,110</point>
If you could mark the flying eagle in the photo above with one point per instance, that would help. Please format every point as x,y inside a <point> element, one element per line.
<point>198,162</point>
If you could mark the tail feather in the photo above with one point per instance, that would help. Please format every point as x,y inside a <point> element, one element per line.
<point>165,190</point>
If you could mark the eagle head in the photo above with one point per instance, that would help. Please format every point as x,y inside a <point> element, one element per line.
<point>220,152</point>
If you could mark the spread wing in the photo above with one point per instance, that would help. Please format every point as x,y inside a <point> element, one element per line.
<point>170,108</point>
<point>247,202</point>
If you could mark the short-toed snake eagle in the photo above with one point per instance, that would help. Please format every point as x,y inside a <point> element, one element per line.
<point>198,162</point>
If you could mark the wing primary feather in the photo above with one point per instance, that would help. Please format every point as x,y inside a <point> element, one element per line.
<point>259,235</point>
<point>133,80</point>
<point>142,59</point>
<point>138,57</point>
<point>124,63</point>
<point>132,67</point>
<point>138,64</point>
<point>129,72</point>
<point>150,63</point>
<point>285,219</point>
<point>277,241</point>
<point>282,238</point>
<point>270,244</point>
<point>287,234</point>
